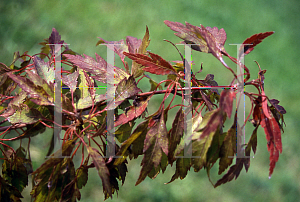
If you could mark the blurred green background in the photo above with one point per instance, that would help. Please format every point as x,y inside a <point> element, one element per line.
<point>23,24</point>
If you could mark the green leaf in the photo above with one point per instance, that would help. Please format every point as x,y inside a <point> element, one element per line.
<point>200,148</point>
<point>183,165</point>
<point>125,89</point>
<point>14,103</point>
<point>25,115</point>
<point>137,69</point>
<point>140,130</point>
<point>15,172</point>
<point>87,102</point>
<point>123,132</point>
<point>82,176</point>
<point>228,149</point>
<point>38,81</point>
<point>44,70</point>
<point>8,192</point>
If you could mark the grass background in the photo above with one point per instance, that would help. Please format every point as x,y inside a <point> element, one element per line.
<point>23,24</point>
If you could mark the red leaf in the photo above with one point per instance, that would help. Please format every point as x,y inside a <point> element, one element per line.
<point>102,169</point>
<point>273,136</point>
<point>254,40</point>
<point>155,64</point>
<point>233,172</point>
<point>226,101</point>
<point>132,113</point>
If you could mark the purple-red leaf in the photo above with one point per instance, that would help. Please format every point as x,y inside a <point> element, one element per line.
<point>176,133</point>
<point>155,144</point>
<point>254,40</point>
<point>233,172</point>
<point>98,68</point>
<point>273,136</point>
<point>134,112</point>
<point>54,38</point>
<point>103,171</point>
<point>226,101</point>
<point>153,64</point>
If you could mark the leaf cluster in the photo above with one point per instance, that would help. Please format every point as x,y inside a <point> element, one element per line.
<point>197,138</point>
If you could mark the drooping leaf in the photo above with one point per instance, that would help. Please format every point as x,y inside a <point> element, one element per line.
<point>199,149</point>
<point>15,172</point>
<point>140,130</point>
<point>155,144</point>
<point>278,107</point>
<point>103,171</point>
<point>176,134</point>
<point>233,172</point>
<point>213,124</point>
<point>9,192</point>
<point>124,131</point>
<point>183,165</point>
<point>226,101</point>
<point>55,158</point>
<point>82,174</point>
<point>153,64</point>
<point>273,136</point>
<point>228,149</point>
<point>253,41</point>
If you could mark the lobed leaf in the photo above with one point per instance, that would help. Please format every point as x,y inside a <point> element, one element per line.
<point>253,41</point>
<point>153,64</point>
<point>98,68</point>
<point>103,171</point>
<point>273,136</point>
<point>37,92</point>
<point>156,142</point>
<point>44,69</point>
<point>133,112</point>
